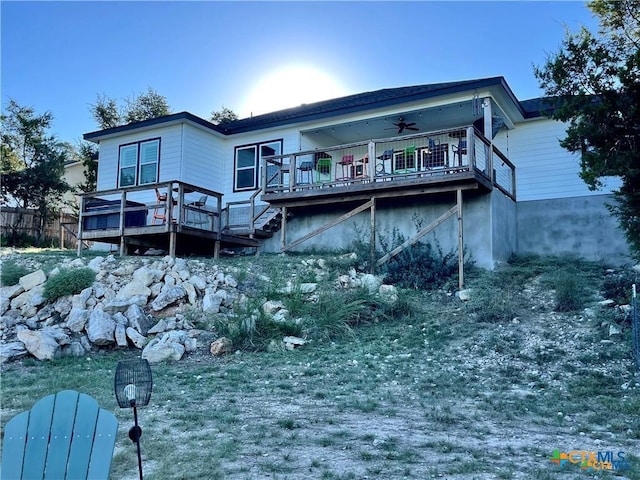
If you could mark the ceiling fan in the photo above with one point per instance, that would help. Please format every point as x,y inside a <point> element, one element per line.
<point>402,125</point>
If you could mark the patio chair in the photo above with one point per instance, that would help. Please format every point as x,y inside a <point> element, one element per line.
<point>305,169</point>
<point>346,163</point>
<point>387,155</point>
<point>323,170</point>
<point>407,162</point>
<point>160,209</point>
<point>64,436</point>
<point>195,215</point>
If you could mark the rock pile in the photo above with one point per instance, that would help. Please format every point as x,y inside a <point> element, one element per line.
<point>136,302</point>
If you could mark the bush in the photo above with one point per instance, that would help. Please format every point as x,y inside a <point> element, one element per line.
<point>11,273</point>
<point>421,266</point>
<point>618,286</point>
<point>571,294</point>
<point>68,282</point>
<point>491,303</point>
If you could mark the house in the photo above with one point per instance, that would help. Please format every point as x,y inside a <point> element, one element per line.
<point>462,163</point>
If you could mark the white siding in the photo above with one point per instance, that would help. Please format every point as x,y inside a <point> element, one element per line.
<point>290,144</point>
<point>544,170</point>
<point>203,159</point>
<point>170,155</point>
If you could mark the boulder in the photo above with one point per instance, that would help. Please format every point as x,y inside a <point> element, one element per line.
<point>139,320</point>
<point>101,328</point>
<point>120,335</point>
<point>74,349</point>
<point>192,295</point>
<point>221,346</point>
<point>158,351</point>
<point>11,291</point>
<point>12,351</point>
<point>370,282</point>
<point>77,319</point>
<point>168,296</point>
<point>291,342</point>
<point>80,300</point>
<point>198,282</point>
<point>464,295</point>
<point>136,338</point>
<point>272,306</point>
<point>95,263</point>
<point>213,300</point>
<point>132,289</point>
<point>147,276</point>
<point>40,344</point>
<point>32,280</point>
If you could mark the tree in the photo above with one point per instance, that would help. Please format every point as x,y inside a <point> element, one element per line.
<point>594,85</point>
<point>32,165</point>
<point>223,115</point>
<point>137,108</point>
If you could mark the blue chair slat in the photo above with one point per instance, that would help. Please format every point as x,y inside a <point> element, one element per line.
<point>103,444</point>
<point>38,437</point>
<point>64,414</point>
<point>15,438</point>
<point>83,433</point>
<point>64,436</point>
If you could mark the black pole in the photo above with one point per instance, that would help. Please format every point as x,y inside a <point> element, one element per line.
<point>134,434</point>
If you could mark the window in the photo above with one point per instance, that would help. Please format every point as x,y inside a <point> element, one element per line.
<point>248,159</point>
<point>138,163</point>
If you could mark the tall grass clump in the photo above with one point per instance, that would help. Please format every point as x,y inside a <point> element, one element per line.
<point>68,282</point>
<point>492,300</point>
<point>571,291</point>
<point>11,272</point>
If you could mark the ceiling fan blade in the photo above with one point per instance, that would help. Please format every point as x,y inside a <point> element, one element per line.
<point>412,128</point>
<point>409,124</point>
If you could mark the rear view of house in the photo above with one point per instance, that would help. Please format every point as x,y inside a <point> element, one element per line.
<point>463,163</point>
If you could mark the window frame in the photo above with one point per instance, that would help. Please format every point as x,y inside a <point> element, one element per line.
<point>257,160</point>
<point>139,147</point>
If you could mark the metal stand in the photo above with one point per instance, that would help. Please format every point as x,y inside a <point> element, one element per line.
<point>134,434</point>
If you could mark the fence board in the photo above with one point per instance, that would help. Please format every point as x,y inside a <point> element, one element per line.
<point>61,230</point>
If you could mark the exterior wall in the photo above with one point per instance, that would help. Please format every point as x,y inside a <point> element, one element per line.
<point>544,170</point>
<point>74,176</point>
<point>580,226</point>
<point>290,143</point>
<point>170,155</point>
<point>504,239</point>
<point>203,163</point>
<point>407,216</point>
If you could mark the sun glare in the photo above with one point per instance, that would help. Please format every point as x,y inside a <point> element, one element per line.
<point>290,87</point>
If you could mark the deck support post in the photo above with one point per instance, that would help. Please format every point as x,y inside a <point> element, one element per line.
<point>460,241</point>
<point>216,250</point>
<point>283,229</point>
<point>123,201</point>
<point>372,240</point>
<point>82,207</point>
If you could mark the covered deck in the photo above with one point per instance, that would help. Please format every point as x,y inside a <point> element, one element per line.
<point>418,164</point>
<point>173,216</point>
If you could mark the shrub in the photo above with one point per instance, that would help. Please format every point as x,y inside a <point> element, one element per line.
<point>618,286</point>
<point>571,293</point>
<point>491,304</point>
<point>11,273</point>
<point>68,282</point>
<point>421,266</point>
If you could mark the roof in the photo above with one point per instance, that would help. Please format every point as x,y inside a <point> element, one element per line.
<point>333,107</point>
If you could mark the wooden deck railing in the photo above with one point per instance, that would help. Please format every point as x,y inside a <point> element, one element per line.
<point>435,153</point>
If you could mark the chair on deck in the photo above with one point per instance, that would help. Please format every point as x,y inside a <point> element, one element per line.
<point>459,150</point>
<point>64,436</point>
<point>195,215</point>
<point>305,168</point>
<point>386,155</point>
<point>346,163</point>
<point>323,170</point>
<point>406,163</point>
<point>160,209</point>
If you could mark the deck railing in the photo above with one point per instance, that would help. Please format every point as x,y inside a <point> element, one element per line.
<point>437,153</point>
<point>155,207</point>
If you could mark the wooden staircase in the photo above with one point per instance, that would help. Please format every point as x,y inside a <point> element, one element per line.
<point>264,226</point>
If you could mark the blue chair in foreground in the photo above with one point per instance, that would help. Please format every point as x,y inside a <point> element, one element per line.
<point>64,436</point>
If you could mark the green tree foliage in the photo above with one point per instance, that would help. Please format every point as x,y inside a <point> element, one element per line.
<point>594,85</point>
<point>223,115</point>
<point>143,106</point>
<point>32,165</point>
<point>87,153</point>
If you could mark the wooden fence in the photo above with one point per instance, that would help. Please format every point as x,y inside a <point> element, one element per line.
<point>60,231</point>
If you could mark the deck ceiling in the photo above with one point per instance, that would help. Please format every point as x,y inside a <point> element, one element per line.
<point>382,126</point>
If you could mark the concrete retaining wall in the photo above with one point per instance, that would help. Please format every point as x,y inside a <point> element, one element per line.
<point>580,225</point>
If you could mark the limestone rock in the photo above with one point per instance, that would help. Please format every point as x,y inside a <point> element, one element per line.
<point>191,292</point>
<point>101,328</point>
<point>11,351</point>
<point>272,306</point>
<point>74,349</point>
<point>121,305</point>
<point>139,320</point>
<point>159,351</point>
<point>213,300</point>
<point>221,346</point>
<point>32,280</point>
<point>136,338</point>
<point>291,342</point>
<point>371,282</point>
<point>198,282</point>
<point>95,263</point>
<point>120,335</point>
<point>11,291</point>
<point>464,295</point>
<point>41,345</point>
<point>159,327</point>
<point>80,300</point>
<point>77,319</point>
<point>168,297</point>
<point>132,289</point>
<point>147,276</point>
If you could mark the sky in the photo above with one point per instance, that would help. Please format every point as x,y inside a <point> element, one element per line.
<point>257,57</point>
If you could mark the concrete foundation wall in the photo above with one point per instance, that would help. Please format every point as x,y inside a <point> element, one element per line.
<point>580,225</point>
<point>408,215</point>
<point>503,226</point>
